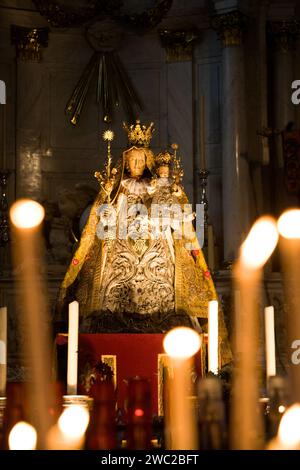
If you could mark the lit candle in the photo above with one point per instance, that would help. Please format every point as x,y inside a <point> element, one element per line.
<point>246,423</point>
<point>69,432</point>
<point>270,342</point>
<point>23,436</point>
<point>289,229</point>
<point>288,437</point>
<point>3,350</point>
<point>181,423</point>
<point>73,348</point>
<point>213,338</point>
<point>26,217</point>
<point>202,133</point>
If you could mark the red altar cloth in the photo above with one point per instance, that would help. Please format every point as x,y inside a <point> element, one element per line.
<point>135,355</point>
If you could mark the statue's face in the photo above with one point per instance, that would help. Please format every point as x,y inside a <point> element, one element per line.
<point>163,171</point>
<point>136,162</point>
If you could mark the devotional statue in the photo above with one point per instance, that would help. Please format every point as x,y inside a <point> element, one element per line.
<point>138,266</point>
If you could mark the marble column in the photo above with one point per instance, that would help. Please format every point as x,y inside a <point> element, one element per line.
<point>31,116</point>
<point>180,98</point>
<point>283,35</point>
<point>235,172</point>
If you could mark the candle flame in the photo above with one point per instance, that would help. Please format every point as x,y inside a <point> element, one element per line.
<point>182,343</point>
<point>289,224</point>
<point>23,436</point>
<point>26,213</point>
<point>289,428</point>
<point>74,421</point>
<point>260,243</point>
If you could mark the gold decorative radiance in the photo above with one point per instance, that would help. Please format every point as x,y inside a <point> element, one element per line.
<point>230,27</point>
<point>29,42</point>
<point>111,361</point>
<point>178,44</point>
<point>139,135</point>
<point>284,34</point>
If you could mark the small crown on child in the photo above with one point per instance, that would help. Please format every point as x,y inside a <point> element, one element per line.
<point>163,159</point>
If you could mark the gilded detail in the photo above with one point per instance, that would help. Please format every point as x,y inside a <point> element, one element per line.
<point>284,34</point>
<point>29,42</point>
<point>230,27</point>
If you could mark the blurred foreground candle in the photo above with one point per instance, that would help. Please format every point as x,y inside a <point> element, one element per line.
<point>246,423</point>
<point>3,350</point>
<point>288,437</point>
<point>26,217</point>
<point>181,344</point>
<point>213,337</point>
<point>212,429</point>
<point>73,348</point>
<point>102,432</point>
<point>289,229</point>
<point>139,419</point>
<point>270,342</point>
<point>23,436</point>
<point>69,432</point>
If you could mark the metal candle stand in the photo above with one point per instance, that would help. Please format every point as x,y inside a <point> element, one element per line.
<point>4,225</point>
<point>203,176</point>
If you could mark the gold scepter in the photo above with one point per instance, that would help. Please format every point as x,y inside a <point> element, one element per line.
<point>107,180</point>
<point>178,172</point>
<point>107,177</point>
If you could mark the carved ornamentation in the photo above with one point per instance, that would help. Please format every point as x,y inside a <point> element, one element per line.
<point>284,34</point>
<point>291,152</point>
<point>29,42</point>
<point>59,14</point>
<point>230,27</point>
<point>178,44</point>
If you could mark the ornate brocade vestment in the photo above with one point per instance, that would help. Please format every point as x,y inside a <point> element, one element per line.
<point>142,275</point>
<point>133,274</point>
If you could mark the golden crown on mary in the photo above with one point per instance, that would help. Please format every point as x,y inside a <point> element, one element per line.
<point>139,135</point>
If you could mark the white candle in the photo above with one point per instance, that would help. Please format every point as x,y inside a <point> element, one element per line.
<point>213,340</point>
<point>3,350</point>
<point>246,421</point>
<point>27,217</point>
<point>270,342</point>
<point>202,134</point>
<point>181,424</point>
<point>73,348</point>
<point>289,229</point>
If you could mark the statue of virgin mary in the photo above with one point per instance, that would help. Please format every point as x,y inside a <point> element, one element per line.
<point>129,274</point>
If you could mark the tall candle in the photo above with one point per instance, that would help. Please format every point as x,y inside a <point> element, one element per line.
<point>202,133</point>
<point>270,342</point>
<point>73,348</point>
<point>289,229</point>
<point>3,350</point>
<point>213,337</point>
<point>3,136</point>
<point>246,422</point>
<point>181,423</point>
<point>27,216</point>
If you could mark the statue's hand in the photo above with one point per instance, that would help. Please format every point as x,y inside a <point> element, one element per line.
<point>152,186</point>
<point>108,187</point>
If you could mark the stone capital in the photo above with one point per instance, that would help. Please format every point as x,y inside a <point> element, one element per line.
<point>178,43</point>
<point>284,34</point>
<point>29,42</point>
<point>230,27</point>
